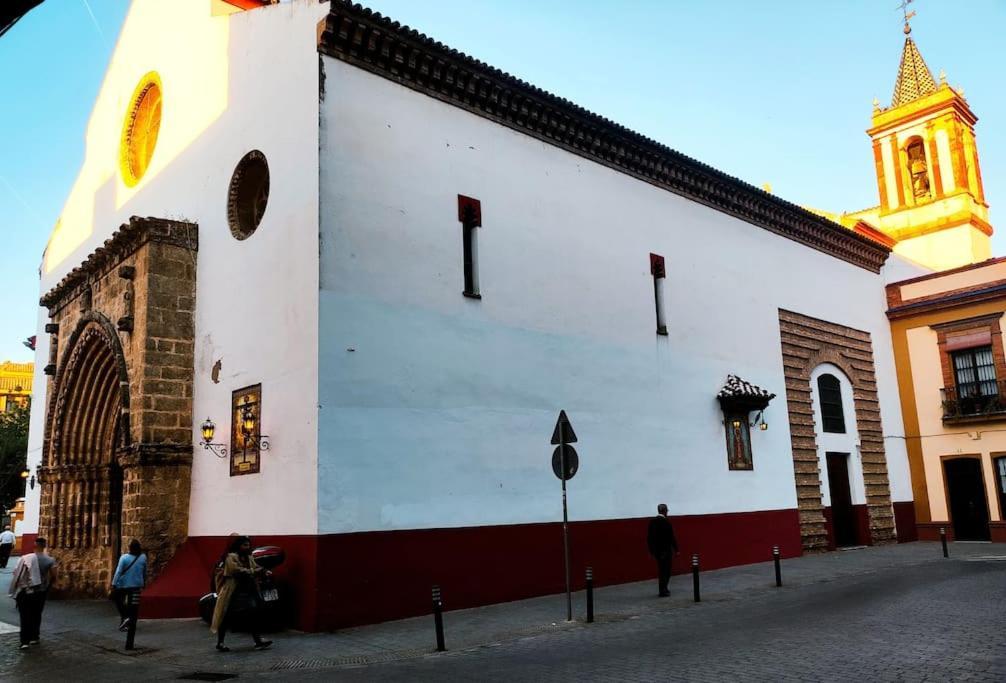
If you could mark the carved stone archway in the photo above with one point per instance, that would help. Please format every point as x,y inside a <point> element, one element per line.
<point>82,504</point>
<point>117,454</point>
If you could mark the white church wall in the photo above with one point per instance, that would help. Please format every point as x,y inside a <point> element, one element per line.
<point>230,84</point>
<point>36,429</point>
<point>436,410</point>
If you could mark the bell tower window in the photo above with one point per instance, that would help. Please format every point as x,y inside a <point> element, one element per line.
<point>918,169</point>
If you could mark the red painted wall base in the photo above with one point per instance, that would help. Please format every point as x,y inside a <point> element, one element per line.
<point>28,543</point>
<point>904,521</point>
<point>930,531</point>
<point>998,531</point>
<point>342,580</point>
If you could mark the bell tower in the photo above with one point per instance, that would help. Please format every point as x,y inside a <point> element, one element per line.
<point>931,198</point>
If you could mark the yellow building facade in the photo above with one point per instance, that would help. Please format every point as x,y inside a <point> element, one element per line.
<point>932,203</point>
<point>947,330</point>
<point>15,384</point>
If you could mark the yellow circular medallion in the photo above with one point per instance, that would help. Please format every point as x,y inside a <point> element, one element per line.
<point>139,130</point>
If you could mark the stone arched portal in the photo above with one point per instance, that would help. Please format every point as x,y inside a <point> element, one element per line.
<point>117,454</point>
<point>82,503</point>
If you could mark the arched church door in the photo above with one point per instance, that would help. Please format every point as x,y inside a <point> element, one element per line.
<point>82,498</point>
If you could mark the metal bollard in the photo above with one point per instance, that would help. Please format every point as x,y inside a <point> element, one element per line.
<point>590,595</point>
<point>778,568</point>
<point>133,603</point>
<point>943,540</point>
<point>695,577</point>
<point>438,618</point>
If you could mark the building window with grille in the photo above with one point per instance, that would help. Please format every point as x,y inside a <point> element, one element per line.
<point>975,373</point>
<point>829,394</point>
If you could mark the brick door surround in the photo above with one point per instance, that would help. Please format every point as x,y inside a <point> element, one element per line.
<point>117,451</point>
<point>807,343</point>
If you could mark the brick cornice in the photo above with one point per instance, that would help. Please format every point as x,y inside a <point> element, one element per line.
<point>963,297</point>
<point>366,39</point>
<point>968,323</point>
<point>124,241</point>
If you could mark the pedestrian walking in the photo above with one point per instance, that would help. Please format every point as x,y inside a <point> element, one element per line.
<point>6,546</point>
<point>29,586</point>
<point>663,546</point>
<point>238,597</point>
<point>129,579</point>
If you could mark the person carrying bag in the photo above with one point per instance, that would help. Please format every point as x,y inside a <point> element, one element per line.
<point>238,598</point>
<point>129,579</point>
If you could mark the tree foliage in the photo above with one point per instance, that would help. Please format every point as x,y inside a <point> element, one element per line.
<point>13,454</point>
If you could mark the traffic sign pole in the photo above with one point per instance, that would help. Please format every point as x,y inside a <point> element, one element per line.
<point>565,521</point>
<point>565,463</point>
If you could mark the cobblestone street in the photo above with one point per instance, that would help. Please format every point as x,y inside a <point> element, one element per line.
<point>878,614</point>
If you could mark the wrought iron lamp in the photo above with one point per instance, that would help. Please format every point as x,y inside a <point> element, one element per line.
<point>208,430</point>
<point>30,477</point>
<point>760,422</point>
<point>249,430</point>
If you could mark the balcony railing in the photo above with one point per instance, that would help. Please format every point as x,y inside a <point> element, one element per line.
<point>982,400</point>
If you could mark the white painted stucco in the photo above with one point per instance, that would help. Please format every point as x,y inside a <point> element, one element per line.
<point>39,398</point>
<point>436,410</point>
<point>239,82</point>
<point>391,400</point>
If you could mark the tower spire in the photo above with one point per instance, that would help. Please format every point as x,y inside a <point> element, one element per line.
<point>915,80</point>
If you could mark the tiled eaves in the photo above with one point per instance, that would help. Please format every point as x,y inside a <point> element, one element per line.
<point>370,41</point>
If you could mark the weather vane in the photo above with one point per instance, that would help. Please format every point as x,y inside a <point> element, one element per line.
<point>908,15</point>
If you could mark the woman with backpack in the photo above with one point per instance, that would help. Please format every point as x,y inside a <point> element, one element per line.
<point>129,579</point>
<point>238,594</point>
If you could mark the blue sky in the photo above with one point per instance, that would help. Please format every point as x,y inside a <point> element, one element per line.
<point>775,92</point>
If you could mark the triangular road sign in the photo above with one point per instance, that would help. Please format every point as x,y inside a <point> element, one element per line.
<point>567,430</point>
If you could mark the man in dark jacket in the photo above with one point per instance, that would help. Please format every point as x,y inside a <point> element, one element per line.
<point>662,544</point>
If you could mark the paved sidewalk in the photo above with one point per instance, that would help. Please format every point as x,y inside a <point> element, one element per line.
<point>83,635</point>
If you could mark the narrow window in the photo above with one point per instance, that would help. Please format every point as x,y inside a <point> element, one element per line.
<point>658,272</point>
<point>470,215</point>
<point>829,392</point>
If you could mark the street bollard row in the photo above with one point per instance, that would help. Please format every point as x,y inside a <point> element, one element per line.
<point>438,615</point>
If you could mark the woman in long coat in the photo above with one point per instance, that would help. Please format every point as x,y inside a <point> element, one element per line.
<point>238,594</point>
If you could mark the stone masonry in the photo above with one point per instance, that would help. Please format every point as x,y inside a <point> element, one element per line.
<point>806,343</point>
<point>117,453</point>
